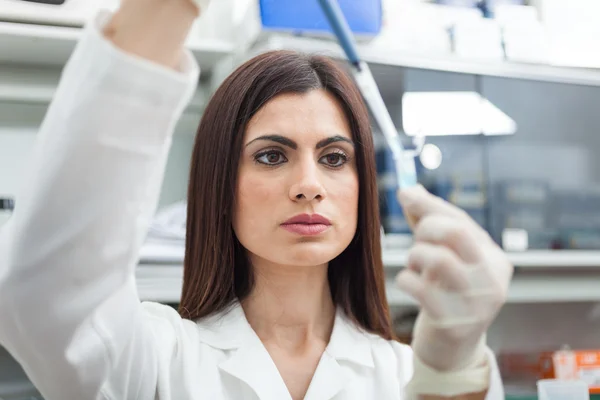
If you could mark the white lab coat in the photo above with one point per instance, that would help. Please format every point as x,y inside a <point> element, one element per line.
<point>69,309</point>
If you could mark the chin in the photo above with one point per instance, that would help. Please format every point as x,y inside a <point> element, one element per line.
<point>307,253</point>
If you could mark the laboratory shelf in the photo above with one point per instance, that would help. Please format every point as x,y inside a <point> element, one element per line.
<point>395,257</point>
<point>527,259</point>
<point>448,63</point>
<point>530,289</point>
<point>36,85</point>
<point>163,282</point>
<point>45,45</point>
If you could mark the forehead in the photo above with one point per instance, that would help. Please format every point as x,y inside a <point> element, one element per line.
<point>315,114</point>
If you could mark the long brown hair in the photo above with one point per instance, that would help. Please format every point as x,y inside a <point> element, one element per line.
<point>216,268</point>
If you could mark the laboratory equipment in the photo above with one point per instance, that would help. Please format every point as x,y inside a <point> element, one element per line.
<point>404,159</point>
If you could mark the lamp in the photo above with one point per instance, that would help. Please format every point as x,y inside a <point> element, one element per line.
<point>453,114</point>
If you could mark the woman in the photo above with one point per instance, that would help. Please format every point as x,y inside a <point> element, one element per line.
<point>283,292</point>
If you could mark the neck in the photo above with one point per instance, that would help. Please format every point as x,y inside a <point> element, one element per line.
<point>290,305</point>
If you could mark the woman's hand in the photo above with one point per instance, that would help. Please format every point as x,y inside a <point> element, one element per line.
<point>459,276</point>
<point>154,29</point>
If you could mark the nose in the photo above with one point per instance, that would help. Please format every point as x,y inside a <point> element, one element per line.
<point>307,184</point>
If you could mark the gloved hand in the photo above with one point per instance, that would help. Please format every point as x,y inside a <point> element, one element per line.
<point>459,276</point>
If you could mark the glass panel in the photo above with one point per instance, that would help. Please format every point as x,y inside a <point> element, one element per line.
<point>545,177</point>
<point>541,181</point>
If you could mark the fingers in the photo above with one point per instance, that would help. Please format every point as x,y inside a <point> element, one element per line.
<point>417,203</point>
<point>438,265</point>
<point>418,288</point>
<point>466,239</point>
<point>414,285</point>
<point>439,222</point>
<point>450,292</point>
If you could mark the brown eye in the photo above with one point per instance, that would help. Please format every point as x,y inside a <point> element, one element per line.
<point>334,159</point>
<point>270,157</point>
<point>273,157</point>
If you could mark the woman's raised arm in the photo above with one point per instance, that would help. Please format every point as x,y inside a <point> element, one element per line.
<point>69,310</point>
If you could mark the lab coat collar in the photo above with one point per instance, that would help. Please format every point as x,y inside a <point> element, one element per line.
<point>349,342</point>
<point>230,330</point>
<point>226,330</point>
<point>251,363</point>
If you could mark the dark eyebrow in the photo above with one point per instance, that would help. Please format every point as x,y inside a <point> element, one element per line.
<point>276,138</point>
<point>333,139</point>
<point>290,143</point>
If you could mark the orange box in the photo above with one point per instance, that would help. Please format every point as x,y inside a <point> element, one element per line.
<point>563,364</point>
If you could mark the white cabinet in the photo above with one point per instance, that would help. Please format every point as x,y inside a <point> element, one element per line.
<point>72,12</point>
<point>40,34</point>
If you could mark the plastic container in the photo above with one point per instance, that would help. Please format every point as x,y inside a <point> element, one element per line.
<point>306,16</point>
<point>552,389</point>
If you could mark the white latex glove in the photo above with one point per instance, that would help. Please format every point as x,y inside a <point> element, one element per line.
<point>459,276</point>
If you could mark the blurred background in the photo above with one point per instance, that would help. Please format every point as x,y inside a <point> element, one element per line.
<point>500,98</point>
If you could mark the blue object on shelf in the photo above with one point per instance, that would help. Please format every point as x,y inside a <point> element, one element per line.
<point>392,215</point>
<point>306,16</point>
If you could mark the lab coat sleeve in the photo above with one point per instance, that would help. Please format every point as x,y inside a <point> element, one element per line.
<point>496,391</point>
<point>404,355</point>
<point>69,309</point>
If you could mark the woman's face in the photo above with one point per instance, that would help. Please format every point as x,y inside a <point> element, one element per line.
<point>297,161</point>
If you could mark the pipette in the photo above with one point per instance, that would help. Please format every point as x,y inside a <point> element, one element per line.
<point>404,160</point>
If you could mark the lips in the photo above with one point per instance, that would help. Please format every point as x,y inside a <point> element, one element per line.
<point>307,224</point>
<point>308,219</point>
